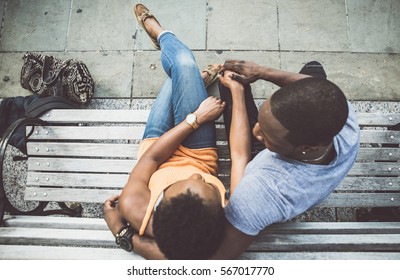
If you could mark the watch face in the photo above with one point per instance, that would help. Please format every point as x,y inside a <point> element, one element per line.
<point>125,244</point>
<point>191,118</point>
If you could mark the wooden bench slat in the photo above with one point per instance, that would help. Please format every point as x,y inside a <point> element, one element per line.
<point>82,149</point>
<point>118,180</point>
<point>130,150</point>
<point>95,133</point>
<point>378,119</point>
<point>362,200</point>
<point>373,154</point>
<point>63,149</point>
<point>19,252</point>
<point>380,136</point>
<point>272,242</point>
<point>87,133</point>
<point>69,195</point>
<point>89,180</point>
<point>77,179</point>
<point>81,165</point>
<point>46,236</point>
<point>279,228</point>
<point>333,228</point>
<point>125,166</point>
<point>136,132</point>
<point>99,196</point>
<point>95,115</point>
<point>89,165</point>
<point>373,169</point>
<point>319,256</point>
<point>55,222</point>
<point>369,184</point>
<point>327,242</point>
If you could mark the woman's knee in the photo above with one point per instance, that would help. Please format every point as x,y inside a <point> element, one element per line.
<point>186,61</point>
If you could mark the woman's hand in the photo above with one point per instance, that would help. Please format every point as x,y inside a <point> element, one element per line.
<point>112,215</point>
<point>209,110</point>
<point>227,81</point>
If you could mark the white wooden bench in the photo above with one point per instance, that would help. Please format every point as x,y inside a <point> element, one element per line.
<point>85,156</point>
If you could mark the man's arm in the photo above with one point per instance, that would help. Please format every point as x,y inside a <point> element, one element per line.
<point>249,72</point>
<point>234,243</point>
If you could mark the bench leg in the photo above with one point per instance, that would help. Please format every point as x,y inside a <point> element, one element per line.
<point>75,210</point>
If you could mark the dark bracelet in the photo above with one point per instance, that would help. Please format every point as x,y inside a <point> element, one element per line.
<point>124,238</point>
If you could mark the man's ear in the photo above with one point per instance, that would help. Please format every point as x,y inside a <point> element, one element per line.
<point>257,133</point>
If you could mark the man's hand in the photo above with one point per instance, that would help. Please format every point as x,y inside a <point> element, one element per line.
<point>112,215</point>
<point>209,110</point>
<point>246,72</point>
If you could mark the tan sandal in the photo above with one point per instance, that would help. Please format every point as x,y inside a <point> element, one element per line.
<point>212,71</point>
<point>141,14</point>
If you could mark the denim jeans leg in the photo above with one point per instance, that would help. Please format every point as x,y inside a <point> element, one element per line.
<point>188,90</point>
<point>161,118</point>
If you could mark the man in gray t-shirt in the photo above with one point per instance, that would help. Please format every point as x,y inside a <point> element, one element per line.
<point>311,137</point>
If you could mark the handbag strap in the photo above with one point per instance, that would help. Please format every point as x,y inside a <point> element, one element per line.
<point>53,79</point>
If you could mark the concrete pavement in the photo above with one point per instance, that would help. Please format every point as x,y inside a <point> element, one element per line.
<point>358,41</point>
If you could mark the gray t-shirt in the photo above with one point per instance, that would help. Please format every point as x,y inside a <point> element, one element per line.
<point>275,189</point>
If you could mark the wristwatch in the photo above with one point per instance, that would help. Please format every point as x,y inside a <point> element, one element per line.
<point>191,120</point>
<point>124,238</point>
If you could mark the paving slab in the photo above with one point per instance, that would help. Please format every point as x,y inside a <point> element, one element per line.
<point>242,25</point>
<point>111,71</point>
<point>313,25</point>
<point>187,19</point>
<point>105,25</point>
<point>2,4</point>
<point>35,25</point>
<point>360,76</point>
<point>10,73</point>
<point>374,26</point>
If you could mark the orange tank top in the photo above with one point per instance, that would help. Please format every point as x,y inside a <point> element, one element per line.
<point>180,166</point>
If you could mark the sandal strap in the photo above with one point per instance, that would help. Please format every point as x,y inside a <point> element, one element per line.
<point>209,72</point>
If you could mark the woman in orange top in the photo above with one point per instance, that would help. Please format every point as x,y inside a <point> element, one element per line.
<point>173,193</point>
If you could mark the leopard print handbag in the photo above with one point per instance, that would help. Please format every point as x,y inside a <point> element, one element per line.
<point>48,76</point>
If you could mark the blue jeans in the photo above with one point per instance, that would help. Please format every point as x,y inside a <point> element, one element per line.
<point>180,95</point>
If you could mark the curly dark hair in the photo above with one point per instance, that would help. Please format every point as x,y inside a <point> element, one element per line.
<point>314,110</point>
<point>187,227</point>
